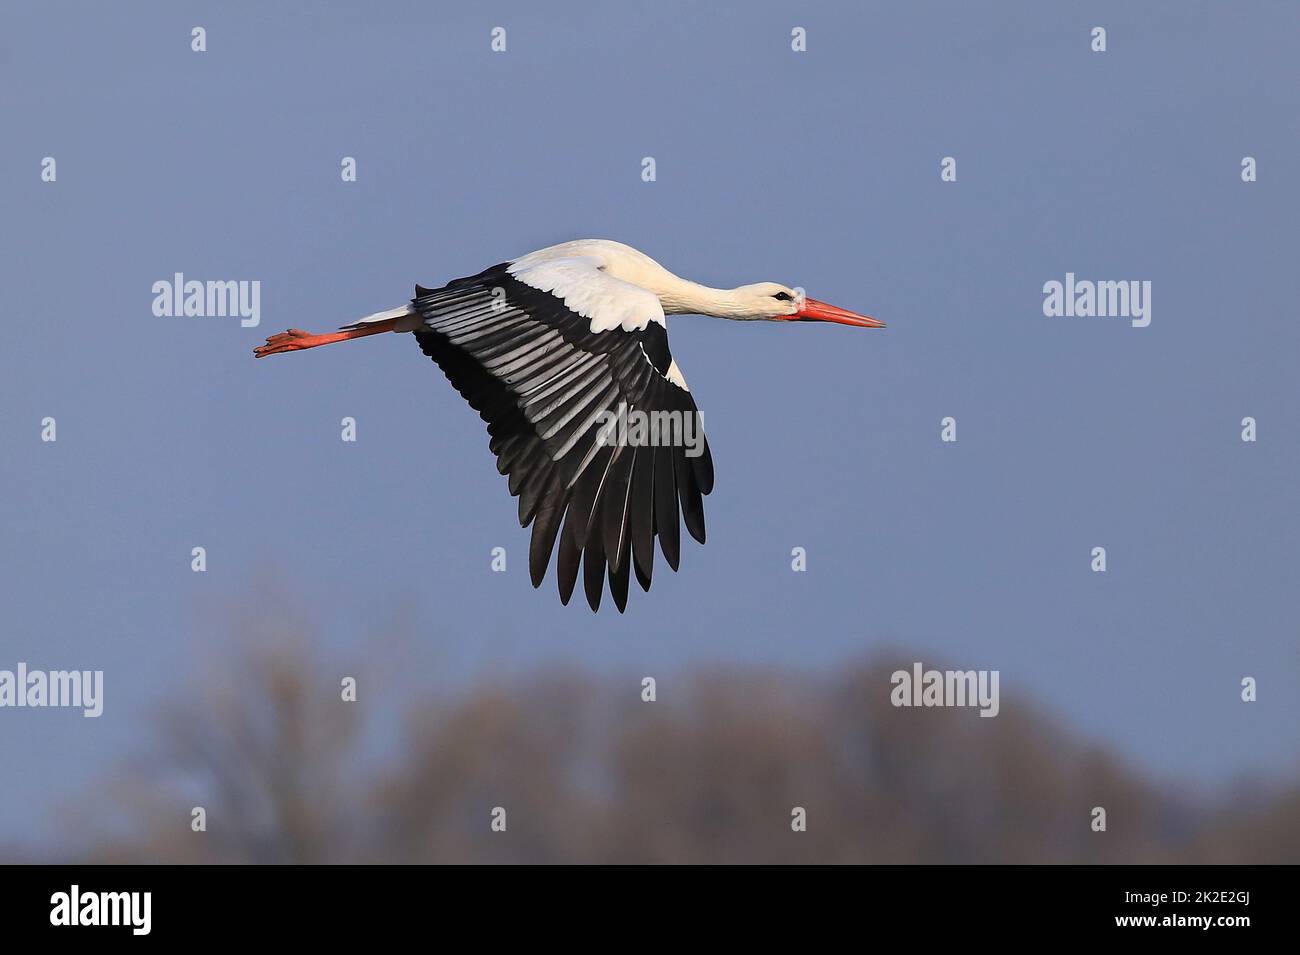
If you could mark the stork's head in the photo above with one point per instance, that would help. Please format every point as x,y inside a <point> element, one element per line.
<point>772,301</point>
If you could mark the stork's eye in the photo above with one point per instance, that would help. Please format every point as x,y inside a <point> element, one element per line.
<point>783,297</point>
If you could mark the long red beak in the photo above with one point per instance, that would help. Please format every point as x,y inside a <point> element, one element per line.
<point>815,311</point>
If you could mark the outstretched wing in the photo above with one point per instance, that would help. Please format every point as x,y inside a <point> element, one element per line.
<point>546,354</point>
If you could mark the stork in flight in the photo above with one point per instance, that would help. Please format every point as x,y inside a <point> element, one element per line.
<point>550,349</point>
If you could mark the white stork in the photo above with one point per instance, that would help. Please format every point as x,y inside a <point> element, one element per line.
<point>550,348</point>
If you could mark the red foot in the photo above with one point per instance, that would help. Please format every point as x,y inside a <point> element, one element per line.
<point>292,340</point>
<point>295,339</point>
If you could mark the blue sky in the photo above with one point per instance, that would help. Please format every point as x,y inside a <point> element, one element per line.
<point>818,169</point>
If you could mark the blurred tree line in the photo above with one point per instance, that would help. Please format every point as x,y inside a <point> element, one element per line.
<point>589,772</point>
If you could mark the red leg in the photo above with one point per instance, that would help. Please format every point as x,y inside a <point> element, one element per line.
<point>295,339</point>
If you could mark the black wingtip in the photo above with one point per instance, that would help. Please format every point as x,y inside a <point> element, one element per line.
<point>593,571</point>
<point>642,577</point>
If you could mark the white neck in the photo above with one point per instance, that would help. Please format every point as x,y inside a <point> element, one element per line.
<point>679,296</point>
<point>676,295</point>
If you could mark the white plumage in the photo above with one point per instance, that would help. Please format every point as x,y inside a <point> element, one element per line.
<point>586,288</point>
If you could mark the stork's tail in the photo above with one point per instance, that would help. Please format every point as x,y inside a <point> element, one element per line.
<point>405,319</point>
